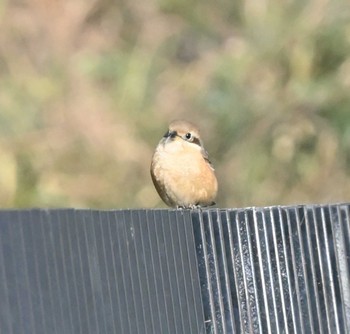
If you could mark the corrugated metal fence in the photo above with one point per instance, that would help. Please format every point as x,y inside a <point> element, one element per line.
<point>255,270</point>
<point>275,270</point>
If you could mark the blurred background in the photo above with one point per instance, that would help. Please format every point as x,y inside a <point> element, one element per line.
<point>88,87</point>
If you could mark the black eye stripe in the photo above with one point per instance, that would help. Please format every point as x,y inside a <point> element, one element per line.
<point>196,141</point>
<point>188,137</point>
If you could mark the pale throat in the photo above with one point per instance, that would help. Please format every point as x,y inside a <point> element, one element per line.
<point>180,147</point>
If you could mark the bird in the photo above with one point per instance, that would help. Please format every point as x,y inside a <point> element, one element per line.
<point>181,170</point>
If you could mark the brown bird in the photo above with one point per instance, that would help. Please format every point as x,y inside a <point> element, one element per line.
<point>180,169</point>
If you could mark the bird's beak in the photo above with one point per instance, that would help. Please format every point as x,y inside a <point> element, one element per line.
<point>170,135</point>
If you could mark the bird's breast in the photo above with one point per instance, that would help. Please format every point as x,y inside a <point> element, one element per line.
<point>184,177</point>
<point>180,162</point>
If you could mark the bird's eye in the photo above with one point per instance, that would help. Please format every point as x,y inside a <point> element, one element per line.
<point>188,135</point>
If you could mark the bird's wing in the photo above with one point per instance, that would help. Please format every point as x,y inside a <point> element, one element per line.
<point>206,157</point>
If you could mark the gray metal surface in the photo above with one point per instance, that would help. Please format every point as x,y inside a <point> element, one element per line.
<point>275,270</point>
<point>67,271</point>
<point>259,270</point>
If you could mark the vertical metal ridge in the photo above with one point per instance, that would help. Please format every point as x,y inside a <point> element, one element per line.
<point>103,289</point>
<point>253,292</point>
<point>211,321</point>
<point>6,318</point>
<point>236,298</point>
<point>136,317</point>
<point>128,275</point>
<point>162,286</point>
<point>215,276</point>
<point>67,268</point>
<point>171,271</point>
<point>79,285</point>
<point>102,236</point>
<point>143,272</point>
<point>114,273</point>
<point>145,260</point>
<point>24,247</point>
<point>278,259</point>
<point>321,262</point>
<point>59,223</point>
<point>334,319</point>
<point>288,282</point>
<point>341,239</point>
<point>142,275</point>
<point>100,239</point>
<point>271,278</point>
<point>92,269</point>
<point>152,272</point>
<point>24,300</point>
<point>176,283</point>
<point>14,265</point>
<point>181,287</point>
<point>39,324</point>
<point>296,271</point>
<point>321,299</point>
<point>249,307</point>
<point>123,283</point>
<point>307,318</point>
<point>157,273</point>
<point>243,288</point>
<point>164,269</point>
<point>194,273</point>
<point>228,313</point>
<point>50,266</point>
<point>75,287</point>
<point>260,256</point>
